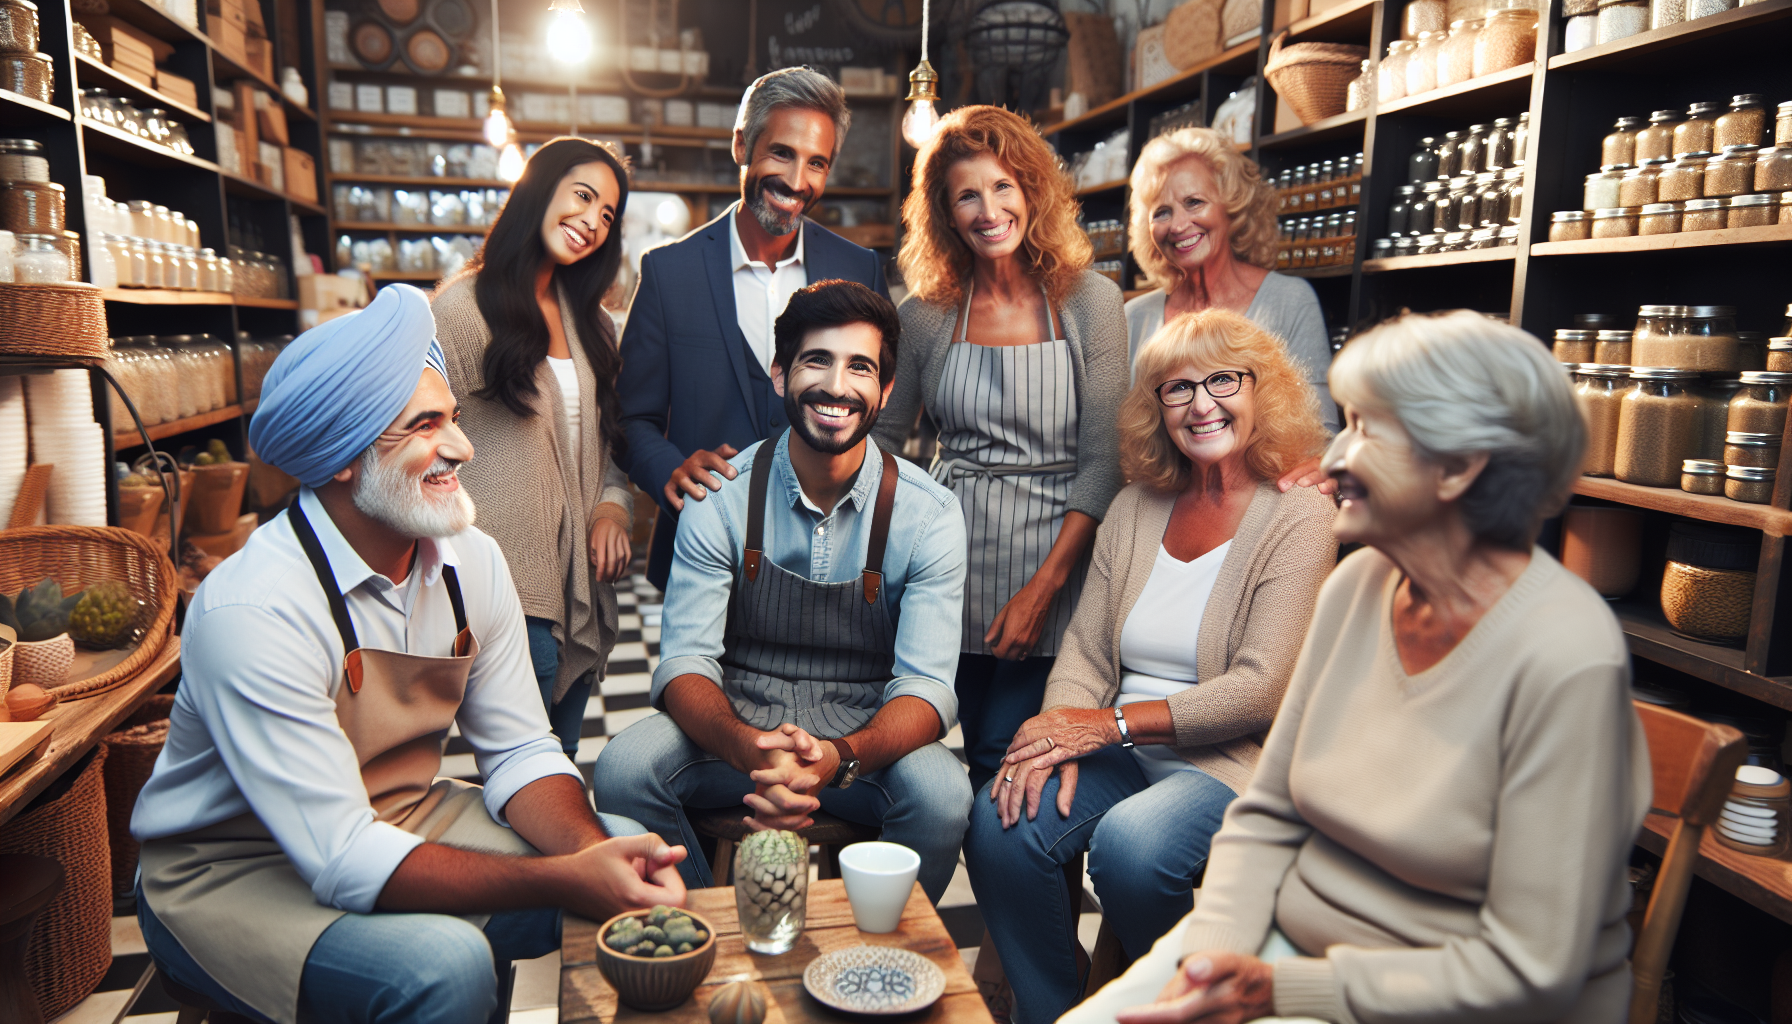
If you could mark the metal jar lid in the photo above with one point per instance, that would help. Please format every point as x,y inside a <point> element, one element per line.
<point>1567,216</point>
<point>1661,311</point>
<point>1770,376</point>
<point>1704,204</point>
<point>1748,99</point>
<point>1757,199</point>
<point>1708,312</point>
<point>1774,345</point>
<point>1614,335</point>
<point>26,146</point>
<point>1656,209</point>
<point>1666,117</point>
<point>1662,373</point>
<point>1751,440</point>
<point>1754,473</point>
<point>1614,211</point>
<point>1702,467</point>
<point>1604,369</point>
<point>1746,149</point>
<point>1570,334</point>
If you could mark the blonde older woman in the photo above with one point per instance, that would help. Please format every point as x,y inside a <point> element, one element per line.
<point>1440,823</point>
<point>1204,575</point>
<point>1202,225</point>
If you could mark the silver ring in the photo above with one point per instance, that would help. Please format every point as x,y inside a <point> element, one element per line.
<point>1008,778</point>
<point>1054,744</point>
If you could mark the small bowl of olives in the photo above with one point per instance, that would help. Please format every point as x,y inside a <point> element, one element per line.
<point>656,958</point>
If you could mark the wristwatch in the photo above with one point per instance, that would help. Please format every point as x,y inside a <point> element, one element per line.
<point>1125,733</point>
<point>849,765</point>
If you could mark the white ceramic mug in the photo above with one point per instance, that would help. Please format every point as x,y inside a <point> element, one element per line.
<point>878,877</point>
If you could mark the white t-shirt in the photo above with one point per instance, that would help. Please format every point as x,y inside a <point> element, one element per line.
<point>568,375</point>
<point>1157,642</point>
<point>762,292</point>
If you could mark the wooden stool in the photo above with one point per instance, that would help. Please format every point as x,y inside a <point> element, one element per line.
<point>27,885</point>
<point>724,825</point>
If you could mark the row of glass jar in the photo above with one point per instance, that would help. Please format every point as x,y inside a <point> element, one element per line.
<point>1754,349</point>
<point>1497,146</point>
<point>1703,128</point>
<point>139,263</point>
<point>139,218</point>
<point>256,355</point>
<point>258,275</point>
<point>172,377</point>
<point>1320,186</point>
<point>1110,269</point>
<point>1105,235</point>
<point>1468,49</point>
<point>1750,211</point>
<point>152,125</point>
<point>1701,338</point>
<point>1591,22</point>
<point>1492,199</point>
<point>1738,170</point>
<point>475,207</point>
<point>1645,422</point>
<point>1445,241</point>
<point>1316,241</point>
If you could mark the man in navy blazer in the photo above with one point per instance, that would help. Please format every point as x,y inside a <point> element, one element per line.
<point>695,386</point>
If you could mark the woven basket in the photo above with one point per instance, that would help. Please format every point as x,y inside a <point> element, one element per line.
<point>71,947</point>
<point>1314,78</point>
<point>131,754</point>
<point>64,320</point>
<point>1192,33</point>
<point>78,556</point>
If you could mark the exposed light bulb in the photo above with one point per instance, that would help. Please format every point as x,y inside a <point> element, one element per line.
<point>919,123</point>
<point>497,129</point>
<point>569,38</point>
<point>510,163</point>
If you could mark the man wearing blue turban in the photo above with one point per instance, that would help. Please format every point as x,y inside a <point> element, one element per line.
<point>301,860</point>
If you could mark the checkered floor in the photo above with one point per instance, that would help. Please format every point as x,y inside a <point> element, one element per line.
<point>535,1000</point>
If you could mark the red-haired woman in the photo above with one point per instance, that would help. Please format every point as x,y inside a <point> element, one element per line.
<point>1017,350</point>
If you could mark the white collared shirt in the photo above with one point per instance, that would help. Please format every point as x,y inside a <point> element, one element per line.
<point>761,292</point>
<point>254,723</point>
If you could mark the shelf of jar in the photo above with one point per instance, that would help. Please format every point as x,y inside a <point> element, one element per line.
<point>1708,507</point>
<point>249,188</point>
<point>1338,126</point>
<point>1651,638</point>
<point>481,81</point>
<point>1440,259</point>
<point>114,80</point>
<point>1475,97</point>
<point>1240,59</point>
<point>421,181</point>
<point>1106,186</point>
<point>1763,882</point>
<point>173,428</point>
<point>125,146</point>
<point>422,125</point>
<point>16,109</point>
<point>410,229</point>
<point>165,297</point>
<point>1348,22</point>
<point>1635,50</point>
<point>1766,234</point>
<point>1312,273</point>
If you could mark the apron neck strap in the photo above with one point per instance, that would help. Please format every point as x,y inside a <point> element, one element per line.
<point>873,577</point>
<point>326,577</point>
<point>762,471</point>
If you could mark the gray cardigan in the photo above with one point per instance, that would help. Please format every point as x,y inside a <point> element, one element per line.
<point>1095,327</point>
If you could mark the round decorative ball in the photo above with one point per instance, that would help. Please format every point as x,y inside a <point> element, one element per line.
<point>741,1002</point>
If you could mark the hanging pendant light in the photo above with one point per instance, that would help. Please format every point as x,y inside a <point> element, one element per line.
<point>499,132</point>
<point>922,118</point>
<point>569,38</point>
<point>510,163</point>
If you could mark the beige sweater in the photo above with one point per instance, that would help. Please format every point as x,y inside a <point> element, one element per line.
<point>1449,845</point>
<point>1250,631</point>
<point>536,495</point>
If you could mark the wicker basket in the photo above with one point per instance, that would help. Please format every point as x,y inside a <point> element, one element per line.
<point>217,497</point>
<point>131,754</point>
<point>71,947</point>
<point>1313,78</point>
<point>62,320</point>
<point>78,556</point>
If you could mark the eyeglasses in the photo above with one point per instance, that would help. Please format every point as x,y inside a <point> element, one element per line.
<point>1224,384</point>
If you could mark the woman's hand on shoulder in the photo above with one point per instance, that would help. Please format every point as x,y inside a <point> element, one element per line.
<point>1213,987</point>
<point>610,549</point>
<point>1307,474</point>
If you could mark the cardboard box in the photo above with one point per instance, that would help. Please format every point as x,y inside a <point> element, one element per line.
<point>113,34</point>
<point>175,87</point>
<point>329,292</point>
<point>245,119</point>
<point>259,54</point>
<point>230,41</point>
<point>271,123</point>
<point>147,79</point>
<point>233,13</point>
<point>301,175</point>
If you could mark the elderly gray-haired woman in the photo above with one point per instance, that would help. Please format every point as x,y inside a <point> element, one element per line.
<point>1439,824</point>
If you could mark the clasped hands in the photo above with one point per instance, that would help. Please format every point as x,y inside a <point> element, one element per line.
<point>1213,987</point>
<point>788,768</point>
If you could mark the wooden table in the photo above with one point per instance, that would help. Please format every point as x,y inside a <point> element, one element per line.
<point>80,724</point>
<point>586,996</point>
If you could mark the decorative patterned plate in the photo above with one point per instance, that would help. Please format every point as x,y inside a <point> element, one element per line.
<point>875,979</point>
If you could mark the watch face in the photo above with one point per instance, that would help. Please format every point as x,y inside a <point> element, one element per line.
<point>849,774</point>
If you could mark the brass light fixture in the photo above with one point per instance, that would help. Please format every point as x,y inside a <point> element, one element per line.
<point>922,118</point>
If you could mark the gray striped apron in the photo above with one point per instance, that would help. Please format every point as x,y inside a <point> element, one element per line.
<point>814,654</point>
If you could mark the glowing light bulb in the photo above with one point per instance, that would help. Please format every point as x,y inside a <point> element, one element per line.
<point>569,38</point>
<point>510,162</point>
<point>497,129</point>
<point>919,123</point>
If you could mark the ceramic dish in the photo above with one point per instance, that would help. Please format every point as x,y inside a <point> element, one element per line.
<point>875,979</point>
<point>656,983</point>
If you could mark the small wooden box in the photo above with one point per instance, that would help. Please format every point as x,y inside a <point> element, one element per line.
<point>301,175</point>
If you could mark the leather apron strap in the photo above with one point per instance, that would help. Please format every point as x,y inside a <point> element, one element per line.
<point>873,576</point>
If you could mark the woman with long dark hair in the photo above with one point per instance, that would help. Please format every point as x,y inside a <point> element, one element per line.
<point>532,356</point>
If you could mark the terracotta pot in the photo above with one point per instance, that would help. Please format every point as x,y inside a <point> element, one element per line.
<point>1604,547</point>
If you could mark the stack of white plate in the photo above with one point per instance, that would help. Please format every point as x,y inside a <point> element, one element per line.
<point>14,443</point>
<point>60,411</point>
<point>1750,824</point>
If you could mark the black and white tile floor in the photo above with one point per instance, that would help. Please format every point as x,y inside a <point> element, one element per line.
<point>621,703</point>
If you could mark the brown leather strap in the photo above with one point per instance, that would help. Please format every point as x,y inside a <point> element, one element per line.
<point>762,471</point>
<point>873,577</point>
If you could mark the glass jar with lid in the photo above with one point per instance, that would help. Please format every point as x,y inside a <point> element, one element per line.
<point>1639,185</point>
<point>1657,140</point>
<point>1752,211</point>
<point>1773,169</point>
<point>1663,13</point>
<point>1492,194</point>
<point>1421,64</point>
<point>1695,134</point>
<point>1572,346</point>
<point>189,268</point>
<point>1782,124</point>
<point>1744,124</point>
<point>1682,179</point>
<point>1513,177</point>
<point>1708,343</point>
<point>1423,16</point>
<point>1601,189</point>
<point>1426,217</point>
<point>1658,219</point>
<point>1614,223</point>
<point>1472,150</point>
<point>164,225</point>
<point>1702,476</point>
<point>1502,143</point>
<point>1714,394</point>
<point>1360,90</point>
<point>1759,405</point>
<point>1731,173</point>
<point>1749,484</point>
<point>1464,213</point>
<point>1703,214</point>
<point>226,275</point>
<point>38,260</point>
<point>189,382</point>
<point>1658,426</point>
<point>1506,40</point>
<point>1599,389</point>
<point>1779,355</point>
<point>1656,325</point>
<point>1456,57</point>
<point>1579,31</point>
<point>1449,156</point>
<point>1421,166</point>
<point>1611,347</point>
<point>1390,82</point>
<point>208,272</point>
<point>1759,451</point>
<point>1569,226</point>
<point>1620,19</point>
<point>1619,145</point>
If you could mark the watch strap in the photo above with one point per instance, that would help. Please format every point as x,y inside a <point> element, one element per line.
<point>1125,733</point>
<point>848,759</point>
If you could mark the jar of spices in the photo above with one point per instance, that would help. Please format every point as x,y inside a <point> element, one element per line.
<point>1757,815</point>
<point>1759,405</point>
<point>1714,394</point>
<point>1360,90</point>
<point>1779,355</point>
<point>1569,226</point>
<point>1600,388</point>
<point>1695,134</point>
<point>1572,346</point>
<point>1663,13</point>
<point>1703,215</point>
<point>1421,65</point>
<point>1465,204</point>
<point>1682,179</point>
<point>1658,219</point>
<point>1656,327</point>
<point>1658,426</point>
<point>1619,146</point>
<point>1508,39</point>
<point>1785,199</point>
<point>1421,166</point>
<point>1639,185</point>
<point>1612,348</point>
<point>1502,144</point>
<point>38,261</point>
<point>1749,483</point>
<point>1458,10</point>
<point>1579,31</point>
<point>1773,169</point>
<point>1706,342</point>
<point>1753,211</point>
<point>1702,476</point>
<point>1521,140</point>
<point>1732,172</point>
<point>1657,140</point>
<point>1744,123</point>
<point>1601,190</point>
<point>1614,223</point>
<point>1449,156</point>
<point>1431,209</point>
<point>1456,57</point>
<point>1706,8</point>
<point>1422,16</point>
<point>1390,83</point>
<point>1748,448</point>
<point>1621,18</point>
<point>1513,177</point>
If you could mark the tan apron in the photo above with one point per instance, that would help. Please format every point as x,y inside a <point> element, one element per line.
<point>230,895</point>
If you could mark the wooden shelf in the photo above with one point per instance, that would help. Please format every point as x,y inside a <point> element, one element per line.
<point>1107,186</point>
<point>122,439</point>
<point>1650,637</point>
<point>224,69</point>
<point>1348,22</point>
<point>1633,49</point>
<point>1497,254</point>
<point>115,80</point>
<point>1349,123</point>
<point>1239,59</point>
<point>411,229</point>
<point>125,146</point>
<point>244,302</point>
<point>1767,234</point>
<point>165,297</point>
<point>1313,273</point>
<point>16,109</point>
<point>1776,522</point>
<point>1762,882</point>
<point>405,275</point>
<point>422,181</point>
<point>424,125</point>
<point>155,20</point>
<point>1474,97</point>
<point>249,188</point>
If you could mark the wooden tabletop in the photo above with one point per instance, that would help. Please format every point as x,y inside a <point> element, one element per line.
<point>586,996</point>
<point>80,724</point>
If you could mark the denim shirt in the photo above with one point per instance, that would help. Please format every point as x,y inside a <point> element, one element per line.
<point>924,567</point>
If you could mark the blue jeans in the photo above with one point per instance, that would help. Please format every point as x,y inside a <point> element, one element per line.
<point>1145,844</point>
<point>567,717</point>
<point>390,968</point>
<point>651,772</point>
<point>995,698</point>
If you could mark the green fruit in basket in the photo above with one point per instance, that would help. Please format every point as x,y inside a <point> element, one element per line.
<point>105,615</point>
<point>40,612</point>
<point>135,480</point>
<point>204,459</point>
<point>218,450</point>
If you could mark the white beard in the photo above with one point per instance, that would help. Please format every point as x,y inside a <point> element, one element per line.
<point>396,498</point>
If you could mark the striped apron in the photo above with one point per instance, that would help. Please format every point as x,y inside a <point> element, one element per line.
<point>816,655</point>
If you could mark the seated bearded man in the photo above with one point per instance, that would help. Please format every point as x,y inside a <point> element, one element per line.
<point>301,861</point>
